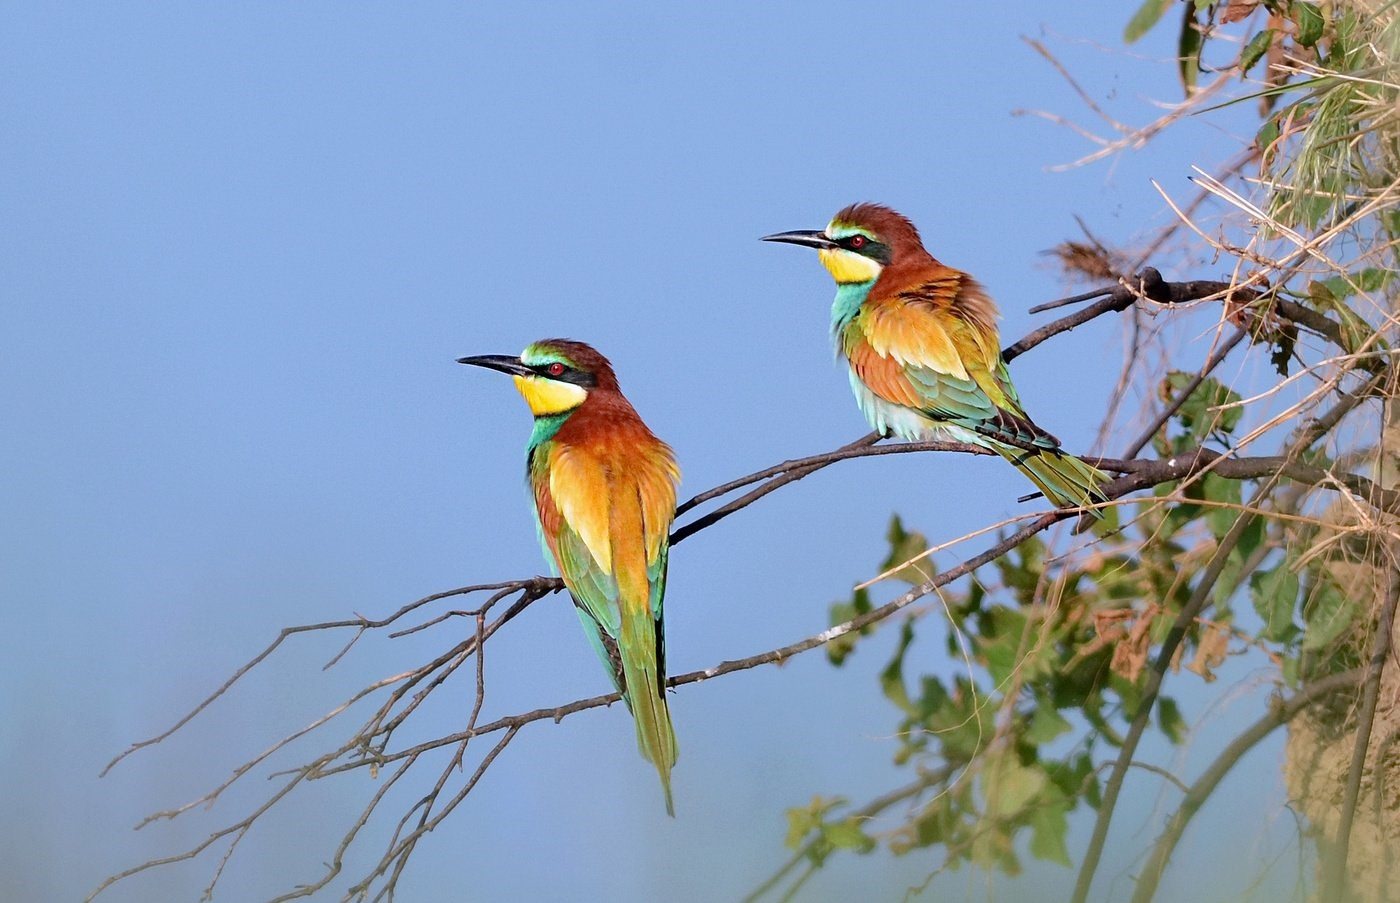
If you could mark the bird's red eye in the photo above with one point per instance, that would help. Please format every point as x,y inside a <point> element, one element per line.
<point>555,369</point>
<point>857,241</point>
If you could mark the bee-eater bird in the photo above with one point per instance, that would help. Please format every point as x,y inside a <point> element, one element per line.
<point>920,339</point>
<point>605,495</point>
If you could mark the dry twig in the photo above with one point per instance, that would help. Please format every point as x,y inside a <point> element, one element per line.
<point>369,746</point>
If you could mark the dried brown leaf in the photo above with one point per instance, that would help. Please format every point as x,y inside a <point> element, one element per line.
<point>1130,653</point>
<point>1236,10</point>
<point>1210,651</point>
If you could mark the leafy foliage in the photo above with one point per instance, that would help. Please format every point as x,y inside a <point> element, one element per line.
<point>1005,706</point>
<point>1003,749</point>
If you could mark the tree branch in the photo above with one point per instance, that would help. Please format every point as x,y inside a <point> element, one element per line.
<point>369,746</point>
<point>1185,394</point>
<point>791,471</point>
<point>871,809</point>
<point>1145,473</point>
<point>359,621</point>
<point>1148,284</point>
<point>1280,712</point>
<point>1305,439</point>
<point>773,656</point>
<point>1175,635</point>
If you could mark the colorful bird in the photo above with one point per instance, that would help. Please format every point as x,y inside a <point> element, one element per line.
<point>921,342</point>
<point>605,495</point>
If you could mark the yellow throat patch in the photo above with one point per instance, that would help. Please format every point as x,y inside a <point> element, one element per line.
<point>848,266</point>
<point>548,396</point>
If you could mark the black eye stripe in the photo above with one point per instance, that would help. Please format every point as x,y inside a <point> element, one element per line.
<point>866,246</point>
<point>567,375</point>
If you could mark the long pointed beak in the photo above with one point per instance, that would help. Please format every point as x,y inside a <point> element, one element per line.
<point>811,238</point>
<point>505,363</point>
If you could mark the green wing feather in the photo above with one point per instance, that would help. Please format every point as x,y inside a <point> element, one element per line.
<point>624,626</point>
<point>595,596</point>
<point>951,371</point>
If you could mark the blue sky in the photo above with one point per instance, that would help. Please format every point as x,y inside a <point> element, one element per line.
<point>243,246</point>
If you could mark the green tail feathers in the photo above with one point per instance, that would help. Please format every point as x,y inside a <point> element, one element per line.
<point>1066,481</point>
<point>655,737</point>
<point>637,672</point>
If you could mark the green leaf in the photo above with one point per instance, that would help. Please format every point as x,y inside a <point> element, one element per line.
<point>1143,20</point>
<point>847,835</point>
<point>1354,330</point>
<point>1010,786</point>
<point>1367,281</point>
<point>1309,20</point>
<point>1331,294</point>
<point>904,545</point>
<point>803,820</point>
<point>892,678</point>
<point>1023,568</point>
<point>1001,656</point>
<point>933,696</point>
<point>1252,53</point>
<point>1188,51</point>
<point>1342,43</point>
<point>1254,534</point>
<point>1196,415</point>
<point>1321,295</point>
<point>962,722</point>
<point>800,822</point>
<point>1268,133</point>
<point>1046,724</point>
<point>1329,614</point>
<point>1178,516</point>
<point>1227,492</point>
<point>1275,594</point>
<point>1170,721</point>
<point>1048,829</point>
<point>1228,581</point>
<point>841,612</point>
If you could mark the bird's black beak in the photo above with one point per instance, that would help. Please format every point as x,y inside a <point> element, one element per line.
<point>811,238</point>
<point>503,362</point>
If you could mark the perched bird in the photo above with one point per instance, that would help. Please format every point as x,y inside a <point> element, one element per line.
<point>605,495</point>
<point>921,342</point>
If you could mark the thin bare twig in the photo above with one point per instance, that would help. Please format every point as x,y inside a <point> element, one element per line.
<point>1148,285</point>
<point>1280,712</point>
<point>1308,435</point>
<point>361,623</point>
<point>871,809</point>
<point>1165,654</point>
<point>1185,394</point>
<point>368,748</point>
